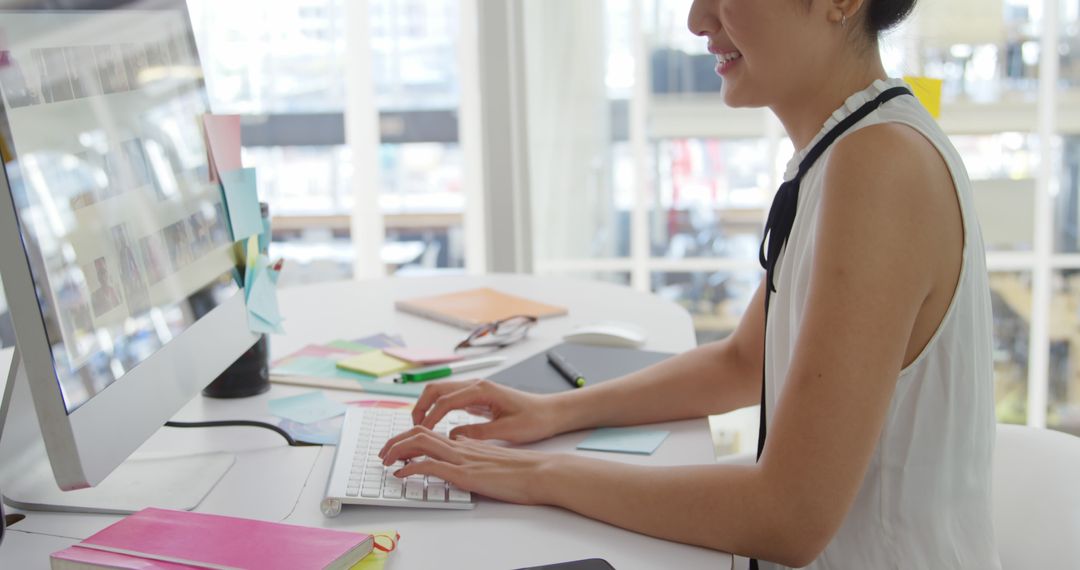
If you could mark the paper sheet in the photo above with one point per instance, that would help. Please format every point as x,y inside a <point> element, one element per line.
<point>306,408</point>
<point>624,440</point>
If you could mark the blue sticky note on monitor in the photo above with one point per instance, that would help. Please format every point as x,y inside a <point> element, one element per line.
<point>624,440</point>
<point>241,198</point>
<point>263,300</point>
<point>307,408</point>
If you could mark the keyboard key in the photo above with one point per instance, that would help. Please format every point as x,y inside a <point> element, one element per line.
<point>392,491</point>
<point>436,492</point>
<point>414,490</point>
<point>434,479</point>
<point>371,492</point>
<point>352,491</point>
<point>459,495</point>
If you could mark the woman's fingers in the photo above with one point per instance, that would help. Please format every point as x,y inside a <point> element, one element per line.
<point>421,443</point>
<point>441,469</point>
<point>471,395</point>
<point>433,392</point>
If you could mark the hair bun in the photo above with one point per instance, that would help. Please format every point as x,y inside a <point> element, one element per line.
<point>886,14</point>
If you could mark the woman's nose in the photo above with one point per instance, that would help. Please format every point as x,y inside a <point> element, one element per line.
<point>702,19</point>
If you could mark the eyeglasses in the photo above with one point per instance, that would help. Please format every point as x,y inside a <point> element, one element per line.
<point>498,334</point>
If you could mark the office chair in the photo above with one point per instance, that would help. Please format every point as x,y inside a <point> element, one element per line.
<point>1036,498</point>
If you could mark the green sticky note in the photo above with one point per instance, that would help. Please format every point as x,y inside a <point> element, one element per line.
<point>350,346</point>
<point>624,440</point>
<point>376,363</point>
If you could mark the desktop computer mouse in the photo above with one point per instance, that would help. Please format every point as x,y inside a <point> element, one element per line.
<point>608,334</point>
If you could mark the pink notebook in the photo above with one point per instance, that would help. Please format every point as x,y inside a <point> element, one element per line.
<point>171,540</point>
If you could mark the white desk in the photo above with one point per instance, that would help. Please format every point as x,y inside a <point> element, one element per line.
<point>274,482</point>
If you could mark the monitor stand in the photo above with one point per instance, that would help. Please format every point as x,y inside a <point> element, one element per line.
<point>27,481</point>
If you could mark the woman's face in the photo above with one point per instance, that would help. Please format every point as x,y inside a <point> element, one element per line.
<point>768,51</point>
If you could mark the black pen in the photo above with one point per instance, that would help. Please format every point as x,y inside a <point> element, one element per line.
<point>566,370</point>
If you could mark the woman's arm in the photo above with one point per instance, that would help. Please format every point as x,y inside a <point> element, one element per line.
<point>712,379</point>
<point>875,264</point>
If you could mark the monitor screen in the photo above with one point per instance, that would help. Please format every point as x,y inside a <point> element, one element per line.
<point>103,151</point>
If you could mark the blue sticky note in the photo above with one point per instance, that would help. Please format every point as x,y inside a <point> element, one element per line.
<point>624,440</point>
<point>238,191</point>
<point>307,408</point>
<point>263,299</point>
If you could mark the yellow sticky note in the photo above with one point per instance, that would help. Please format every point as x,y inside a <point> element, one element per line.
<point>374,363</point>
<point>928,91</point>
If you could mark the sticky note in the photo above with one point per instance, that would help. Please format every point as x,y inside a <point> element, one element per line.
<point>306,408</point>
<point>323,432</point>
<point>240,195</point>
<point>376,363</point>
<point>223,143</point>
<point>624,440</point>
<point>382,340</point>
<point>423,355</point>
<point>263,300</point>
<point>317,367</point>
<point>928,91</point>
<point>317,351</point>
<point>350,346</point>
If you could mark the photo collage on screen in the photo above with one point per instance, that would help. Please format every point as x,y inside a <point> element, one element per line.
<point>40,76</point>
<point>117,281</point>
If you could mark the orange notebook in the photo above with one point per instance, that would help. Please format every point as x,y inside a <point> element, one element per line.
<point>475,307</point>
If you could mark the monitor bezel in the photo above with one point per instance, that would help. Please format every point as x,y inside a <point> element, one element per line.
<point>88,443</point>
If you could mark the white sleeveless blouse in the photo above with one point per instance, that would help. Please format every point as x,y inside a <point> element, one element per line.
<point>925,501</point>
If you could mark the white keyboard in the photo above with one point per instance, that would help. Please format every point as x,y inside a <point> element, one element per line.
<point>358,476</point>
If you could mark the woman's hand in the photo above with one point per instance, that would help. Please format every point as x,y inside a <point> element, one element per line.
<point>516,417</point>
<point>512,475</point>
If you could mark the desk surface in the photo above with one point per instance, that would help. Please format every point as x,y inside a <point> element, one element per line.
<point>279,483</point>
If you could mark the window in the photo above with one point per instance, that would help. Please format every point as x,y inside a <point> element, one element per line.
<point>282,67</point>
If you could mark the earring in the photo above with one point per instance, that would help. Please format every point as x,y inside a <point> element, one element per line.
<point>843,21</point>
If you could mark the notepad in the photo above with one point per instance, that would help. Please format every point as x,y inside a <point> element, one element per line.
<point>624,440</point>
<point>475,307</point>
<point>376,363</point>
<point>159,538</point>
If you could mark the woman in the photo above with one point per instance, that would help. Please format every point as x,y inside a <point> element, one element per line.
<point>876,362</point>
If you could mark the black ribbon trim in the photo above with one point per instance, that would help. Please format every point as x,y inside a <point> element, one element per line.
<point>782,218</point>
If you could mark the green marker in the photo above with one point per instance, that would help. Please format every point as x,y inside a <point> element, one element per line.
<point>436,372</point>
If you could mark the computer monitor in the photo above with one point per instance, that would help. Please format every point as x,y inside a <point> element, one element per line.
<point>116,258</point>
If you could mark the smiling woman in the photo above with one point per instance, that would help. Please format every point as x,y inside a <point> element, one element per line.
<point>868,344</point>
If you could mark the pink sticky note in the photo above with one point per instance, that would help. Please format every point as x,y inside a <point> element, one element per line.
<point>315,351</point>
<point>422,355</point>
<point>223,143</point>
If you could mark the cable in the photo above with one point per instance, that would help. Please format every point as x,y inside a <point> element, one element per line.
<point>242,423</point>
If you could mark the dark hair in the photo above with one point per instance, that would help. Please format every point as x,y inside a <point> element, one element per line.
<point>882,15</point>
